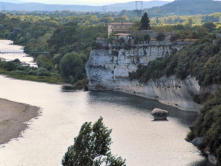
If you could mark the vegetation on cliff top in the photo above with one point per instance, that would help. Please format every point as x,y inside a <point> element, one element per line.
<point>201,60</point>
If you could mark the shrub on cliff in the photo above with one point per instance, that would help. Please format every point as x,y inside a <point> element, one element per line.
<point>208,126</point>
<point>92,147</point>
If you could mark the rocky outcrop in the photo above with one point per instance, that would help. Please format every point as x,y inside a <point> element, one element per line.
<point>159,114</point>
<point>108,69</point>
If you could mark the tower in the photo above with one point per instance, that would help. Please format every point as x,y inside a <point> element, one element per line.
<point>2,7</point>
<point>139,8</point>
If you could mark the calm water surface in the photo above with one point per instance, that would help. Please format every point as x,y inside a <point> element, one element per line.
<point>7,46</point>
<point>136,137</point>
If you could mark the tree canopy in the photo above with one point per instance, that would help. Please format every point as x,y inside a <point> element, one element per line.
<point>72,67</point>
<point>92,147</point>
<point>145,22</point>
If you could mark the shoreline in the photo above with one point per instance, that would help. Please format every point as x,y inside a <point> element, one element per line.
<point>13,119</point>
<point>145,97</point>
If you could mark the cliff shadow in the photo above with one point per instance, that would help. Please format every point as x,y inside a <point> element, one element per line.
<point>142,104</point>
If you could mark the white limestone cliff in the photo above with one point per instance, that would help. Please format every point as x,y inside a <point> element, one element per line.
<point>108,69</point>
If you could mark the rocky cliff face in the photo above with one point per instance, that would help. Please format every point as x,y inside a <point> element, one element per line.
<point>108,69</point>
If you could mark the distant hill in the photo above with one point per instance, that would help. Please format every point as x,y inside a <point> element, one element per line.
<point>11,6</point>
<point>187,7</point>
<point>132,6</point>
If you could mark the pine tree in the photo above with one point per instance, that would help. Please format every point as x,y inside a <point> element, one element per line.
<point>145,22</point>
<point>92,147</point>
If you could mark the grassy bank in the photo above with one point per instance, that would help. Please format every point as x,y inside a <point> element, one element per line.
<point>53,79</point>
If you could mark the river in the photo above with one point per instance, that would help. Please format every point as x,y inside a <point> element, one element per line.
<point>136,137</point>
<point>7,50</point>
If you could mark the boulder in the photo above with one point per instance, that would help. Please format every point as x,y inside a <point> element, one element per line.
<point>160,114</point>
<point>197,141</point>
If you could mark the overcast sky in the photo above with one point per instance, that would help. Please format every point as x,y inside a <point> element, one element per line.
<point>83,2</point>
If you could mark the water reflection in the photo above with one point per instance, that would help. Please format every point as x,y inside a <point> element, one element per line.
<point>142,104</point>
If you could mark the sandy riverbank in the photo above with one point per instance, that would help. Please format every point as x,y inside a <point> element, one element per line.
<point>13,117</point>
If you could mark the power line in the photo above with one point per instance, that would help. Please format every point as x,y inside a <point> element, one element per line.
<point>104,8</point>
<point>19,52</point>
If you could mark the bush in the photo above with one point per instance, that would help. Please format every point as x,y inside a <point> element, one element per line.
<point>42,72</point>
<point>45,62</point>
<point>96,45</point>
<point>208,125</point>
<point>9,66</point>
<point>161,36</point>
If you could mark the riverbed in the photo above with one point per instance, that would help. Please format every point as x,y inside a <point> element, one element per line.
<point>135,135</point>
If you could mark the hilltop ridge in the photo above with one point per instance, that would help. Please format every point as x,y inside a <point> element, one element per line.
<point>187,7</point>
<point>20,6</point>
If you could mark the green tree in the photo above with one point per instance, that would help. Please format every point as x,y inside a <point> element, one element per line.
<point>145,22</point>
<point>92,147</point>
<point>72,67</point>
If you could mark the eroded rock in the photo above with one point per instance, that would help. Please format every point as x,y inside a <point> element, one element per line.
<point>160,114</point>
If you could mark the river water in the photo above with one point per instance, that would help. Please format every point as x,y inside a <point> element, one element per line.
<point>136,137</point>
<point>7,50</point>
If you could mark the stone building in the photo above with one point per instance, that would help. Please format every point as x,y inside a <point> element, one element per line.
<point>119,28</point>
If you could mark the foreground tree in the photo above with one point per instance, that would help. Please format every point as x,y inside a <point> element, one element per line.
<point>145,22</point>
<point>92,147</point>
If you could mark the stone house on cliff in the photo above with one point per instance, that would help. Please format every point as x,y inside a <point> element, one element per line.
<point>119,28</point>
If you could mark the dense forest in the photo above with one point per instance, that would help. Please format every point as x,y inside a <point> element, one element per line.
<point>67,43</point>
<point>67,38</point>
